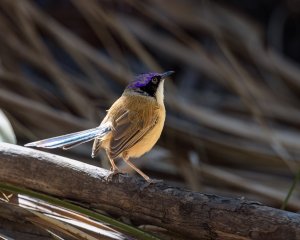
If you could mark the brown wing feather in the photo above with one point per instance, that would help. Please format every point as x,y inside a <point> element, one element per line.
<point>128,125</point>
<point>129,132</point>
<point>131,124</point>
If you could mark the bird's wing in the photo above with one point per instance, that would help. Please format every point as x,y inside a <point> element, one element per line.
<point>129,128</point>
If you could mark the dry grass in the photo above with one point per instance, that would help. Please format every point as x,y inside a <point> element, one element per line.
<point>233,115</point>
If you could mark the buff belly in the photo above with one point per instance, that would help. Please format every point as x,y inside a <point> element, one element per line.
<point>148,141</point>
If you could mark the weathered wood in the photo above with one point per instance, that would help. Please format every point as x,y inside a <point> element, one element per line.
<point>194,215</point>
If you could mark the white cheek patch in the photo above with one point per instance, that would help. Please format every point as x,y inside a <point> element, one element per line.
<point>160,93</point>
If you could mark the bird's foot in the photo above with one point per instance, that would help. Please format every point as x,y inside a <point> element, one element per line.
<point>115,169</point>
<point>114,172</point>
<point>150,181</point>
<point>153,181</point>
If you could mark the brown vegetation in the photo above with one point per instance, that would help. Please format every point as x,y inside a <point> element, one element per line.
<point>233,108</point>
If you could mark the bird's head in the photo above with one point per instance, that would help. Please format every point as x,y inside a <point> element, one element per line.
<point>149,84</point>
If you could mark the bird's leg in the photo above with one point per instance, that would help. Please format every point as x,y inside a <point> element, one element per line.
<point>137,170</point>
<point>114,167</point>
<point>115,170</point>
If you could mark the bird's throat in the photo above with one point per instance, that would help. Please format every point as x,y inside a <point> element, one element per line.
<point>160,93</point>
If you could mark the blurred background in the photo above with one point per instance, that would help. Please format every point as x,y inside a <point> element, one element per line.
<point>233,115</point>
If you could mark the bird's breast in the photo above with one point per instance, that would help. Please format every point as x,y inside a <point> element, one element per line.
<point>150,138</point>
<point>138,112</point>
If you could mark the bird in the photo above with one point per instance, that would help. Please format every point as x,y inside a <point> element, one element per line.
<point>131,127</point>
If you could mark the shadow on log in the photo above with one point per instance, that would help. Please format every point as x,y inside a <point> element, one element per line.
<point>191,214</point>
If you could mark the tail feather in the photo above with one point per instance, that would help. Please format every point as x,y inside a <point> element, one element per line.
<point>73,139</point>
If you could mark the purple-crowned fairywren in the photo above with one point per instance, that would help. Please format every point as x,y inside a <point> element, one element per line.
<point>131,127</point>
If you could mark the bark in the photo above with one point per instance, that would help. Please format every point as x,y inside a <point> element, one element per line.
<point>192,214</point>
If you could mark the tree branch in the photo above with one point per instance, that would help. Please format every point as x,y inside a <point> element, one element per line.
<point>194,215</point>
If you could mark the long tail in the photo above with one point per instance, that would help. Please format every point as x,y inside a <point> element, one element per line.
<point>73,139</point>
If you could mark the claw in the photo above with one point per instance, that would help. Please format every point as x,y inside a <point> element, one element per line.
<point>110,176</point>
<point>149,182</point>
<point>153,181</point>
<point>115,169</point>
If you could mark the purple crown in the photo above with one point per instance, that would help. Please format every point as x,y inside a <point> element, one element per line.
<point>142,80</point>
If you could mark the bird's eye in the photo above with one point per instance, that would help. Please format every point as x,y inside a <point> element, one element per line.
<point>155,80</point>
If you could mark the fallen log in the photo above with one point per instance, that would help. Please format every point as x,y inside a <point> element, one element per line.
<point>192,214</point>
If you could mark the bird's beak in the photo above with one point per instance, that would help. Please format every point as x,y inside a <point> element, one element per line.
<point>166,74</point>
